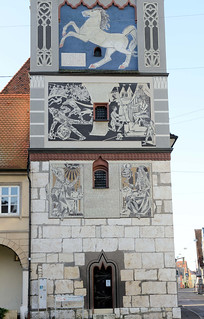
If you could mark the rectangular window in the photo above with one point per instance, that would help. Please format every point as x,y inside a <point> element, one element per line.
<point>9,198</point>
<point>101,112</point>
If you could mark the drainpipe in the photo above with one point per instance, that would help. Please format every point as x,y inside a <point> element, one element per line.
<point>29,242</point>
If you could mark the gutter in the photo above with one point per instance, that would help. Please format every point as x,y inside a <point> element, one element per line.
<point>29,242</point>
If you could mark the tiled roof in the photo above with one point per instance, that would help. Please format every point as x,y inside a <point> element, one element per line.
<point>20,83</point>
<point>14,130</point>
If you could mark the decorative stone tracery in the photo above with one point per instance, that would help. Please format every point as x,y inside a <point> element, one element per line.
<point>44,20</point>
<point>152,52</point>
<point>104,4</point>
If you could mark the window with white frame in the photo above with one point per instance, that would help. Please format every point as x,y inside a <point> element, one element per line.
<point>9,197</point>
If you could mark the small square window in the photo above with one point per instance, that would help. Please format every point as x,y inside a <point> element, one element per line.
<point>101,112</point>
<point>9,200</point>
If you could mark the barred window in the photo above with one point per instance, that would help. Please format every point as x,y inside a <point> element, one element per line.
<point>100,173</point>
<point>101,112</point>
<point>100,179</point>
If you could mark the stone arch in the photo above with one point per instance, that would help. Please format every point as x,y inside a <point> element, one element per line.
<point>101,166</point>
<point>17,249</point>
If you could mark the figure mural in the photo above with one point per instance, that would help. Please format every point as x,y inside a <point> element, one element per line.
<point>70,114</point>
<point>130,113</point>
<point>96,28</point>
<point>66,191</point>
<point>136,191</point>
<point>69,105</point>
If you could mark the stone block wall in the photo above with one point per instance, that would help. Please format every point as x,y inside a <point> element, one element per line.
<point>61,251</point>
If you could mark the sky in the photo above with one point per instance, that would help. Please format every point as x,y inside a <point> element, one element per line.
<point>184,45</point>
<point>185,52</point>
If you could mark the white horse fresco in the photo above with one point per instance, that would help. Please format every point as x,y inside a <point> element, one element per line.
<point>93,30</point>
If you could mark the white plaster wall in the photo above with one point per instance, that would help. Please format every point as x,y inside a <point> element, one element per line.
<point>102,203</point>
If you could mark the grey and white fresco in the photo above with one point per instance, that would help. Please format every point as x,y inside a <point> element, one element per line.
<point>66,192</point>
<point>131,115</point>
<point>70,108</point>
<point>70,113</point>
<point>136,191</point>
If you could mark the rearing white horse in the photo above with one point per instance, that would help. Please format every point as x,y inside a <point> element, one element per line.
<point>93,30</point>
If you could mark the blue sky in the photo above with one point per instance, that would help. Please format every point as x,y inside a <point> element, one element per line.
<point>184,43</point>
<point>185,46</point>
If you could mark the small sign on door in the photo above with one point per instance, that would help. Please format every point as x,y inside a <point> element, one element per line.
<point>108,283</point>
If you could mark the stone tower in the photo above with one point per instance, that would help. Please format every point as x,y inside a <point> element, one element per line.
<point>101,210</point>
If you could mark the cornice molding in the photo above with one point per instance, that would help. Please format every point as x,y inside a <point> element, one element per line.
<point>107,155</point>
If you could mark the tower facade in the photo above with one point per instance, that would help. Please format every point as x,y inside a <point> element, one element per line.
<point>101,210</point>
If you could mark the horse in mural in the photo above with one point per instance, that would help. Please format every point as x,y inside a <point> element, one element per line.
<point>93,30</point>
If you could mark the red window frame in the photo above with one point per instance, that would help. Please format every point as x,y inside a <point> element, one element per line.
<point>100,165</point>
<point>106,105</point>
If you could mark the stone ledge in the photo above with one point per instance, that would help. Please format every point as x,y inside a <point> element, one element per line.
<point>122,313</point>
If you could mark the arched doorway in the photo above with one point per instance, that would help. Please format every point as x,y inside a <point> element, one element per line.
<point>10,279</point>
<point>103,284</point>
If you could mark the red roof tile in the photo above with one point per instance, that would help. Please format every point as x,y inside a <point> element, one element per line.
<point>14,130</point>
<point>20,82</point>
